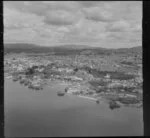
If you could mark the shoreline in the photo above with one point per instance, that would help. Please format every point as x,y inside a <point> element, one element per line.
<point>85,97</point>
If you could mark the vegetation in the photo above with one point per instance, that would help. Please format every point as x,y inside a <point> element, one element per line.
<point>113,74</point>
<point>128,100</point>
<point>96,83</point>
<point>113,105</point>
<point>93,72</point>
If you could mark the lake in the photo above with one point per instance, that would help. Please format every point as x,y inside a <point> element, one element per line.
<point>42,113</point>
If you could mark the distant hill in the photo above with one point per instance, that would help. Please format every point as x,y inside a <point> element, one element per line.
<point>133,50</point>
<point>66,49</point>
<point>30,48</point>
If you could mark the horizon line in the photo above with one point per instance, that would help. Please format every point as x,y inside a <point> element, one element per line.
<point>86,45</point>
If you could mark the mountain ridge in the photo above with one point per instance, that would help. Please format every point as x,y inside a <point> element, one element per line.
<point>7,45</point>
<point>72,49</point>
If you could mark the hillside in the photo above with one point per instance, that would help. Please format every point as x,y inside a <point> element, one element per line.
<point>67,49</point>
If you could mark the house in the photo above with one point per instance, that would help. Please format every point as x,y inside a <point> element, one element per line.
<point>107,76</point>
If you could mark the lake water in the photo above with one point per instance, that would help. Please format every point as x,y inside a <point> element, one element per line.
<point>43,113</point>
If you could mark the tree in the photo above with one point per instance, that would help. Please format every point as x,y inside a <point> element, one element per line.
<point>29,71</point>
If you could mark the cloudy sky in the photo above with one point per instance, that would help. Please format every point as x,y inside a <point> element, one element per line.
<point>95,23</point>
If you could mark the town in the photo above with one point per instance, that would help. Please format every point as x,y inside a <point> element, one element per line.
<point>116,79</point>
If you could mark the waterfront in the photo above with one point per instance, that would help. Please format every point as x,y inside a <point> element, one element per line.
<point>73,69</point>
<point>119,88</point>
<point>43,113</point>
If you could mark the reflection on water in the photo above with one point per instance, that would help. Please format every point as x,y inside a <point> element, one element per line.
<point>44,113</point>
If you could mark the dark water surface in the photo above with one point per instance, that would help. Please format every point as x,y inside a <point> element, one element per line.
<point>43,113</point>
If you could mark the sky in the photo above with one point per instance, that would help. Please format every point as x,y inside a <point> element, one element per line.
<point>108,24</point>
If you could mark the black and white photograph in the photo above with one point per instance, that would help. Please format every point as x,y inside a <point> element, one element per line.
<point>73,68</point>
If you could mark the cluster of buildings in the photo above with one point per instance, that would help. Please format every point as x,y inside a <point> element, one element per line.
<point>67,73</point>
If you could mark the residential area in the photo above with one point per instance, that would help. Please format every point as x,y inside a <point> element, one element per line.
<point>102,78</point>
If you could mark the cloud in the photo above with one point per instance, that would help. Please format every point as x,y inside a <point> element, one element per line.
<point>114,11</point>
<point>60,17</point>
<point>39,36</point>
<point>28,27</point>
<point>118,26</point>
<point>55,22</point>
<point>137,27</point>
<point>89,3</point>
<point>16,19</point>
<point>98,14</point>
<point>23,35</point>
<point>41,7</point>
<point>55,13</point>
<point>62,5</point>
<point>34,7</point>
